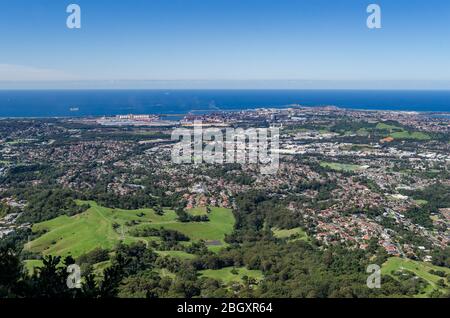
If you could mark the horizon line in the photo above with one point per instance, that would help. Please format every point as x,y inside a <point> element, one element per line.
<point>226,84</point>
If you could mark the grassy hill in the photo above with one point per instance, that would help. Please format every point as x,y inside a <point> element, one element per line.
<point>420,269</point>
<point>400,133</point>
<point>227,275</point>
<point>94,228</point>
<point>197,211</point>
<point>292,234</point>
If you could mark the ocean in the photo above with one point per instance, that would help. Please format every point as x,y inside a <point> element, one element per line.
<point>61,103</point>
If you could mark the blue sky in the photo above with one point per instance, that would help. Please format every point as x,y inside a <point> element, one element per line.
<point>225,40</point>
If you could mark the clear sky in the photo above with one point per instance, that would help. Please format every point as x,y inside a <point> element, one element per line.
<point>225,40</point>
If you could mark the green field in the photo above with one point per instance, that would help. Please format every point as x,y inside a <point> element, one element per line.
<point>93,228</point>
<point>408,135</point>
<point>383,126</point>
<point>177,254</point>
<point>402,134</point>
<point>197,211</point>
<point>420,269</point>
<point>221,222</point>
<point>340,166</point>
<point>295,233</point>
<point>226,276</point>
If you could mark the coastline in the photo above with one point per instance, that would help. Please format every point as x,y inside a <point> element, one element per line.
<point>97,103</point>
<point>435,114</point>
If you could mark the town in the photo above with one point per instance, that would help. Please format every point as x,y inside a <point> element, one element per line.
<point>365,180</point>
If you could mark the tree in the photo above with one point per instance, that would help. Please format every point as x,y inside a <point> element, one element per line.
<point>50,279</point>
<point>11,271</point>
<point>158,210</point>
<point>112,276</point>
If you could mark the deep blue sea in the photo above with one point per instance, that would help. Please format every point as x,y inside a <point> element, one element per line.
<point>56,103</point>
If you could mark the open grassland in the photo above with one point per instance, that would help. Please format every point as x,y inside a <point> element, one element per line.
<point>402,134</point>
<point>420,269</point>
<point>384,126</point>
<point>104,227</point>
<point>340,166</point>
<point>417,135</point>
<point>221,222</point>
<point>228,275</point>
<point>176,254</point>
<point>292,234</point>
<point>197,211</point>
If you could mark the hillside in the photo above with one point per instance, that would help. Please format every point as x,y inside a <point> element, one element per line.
<point>104,227</point>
